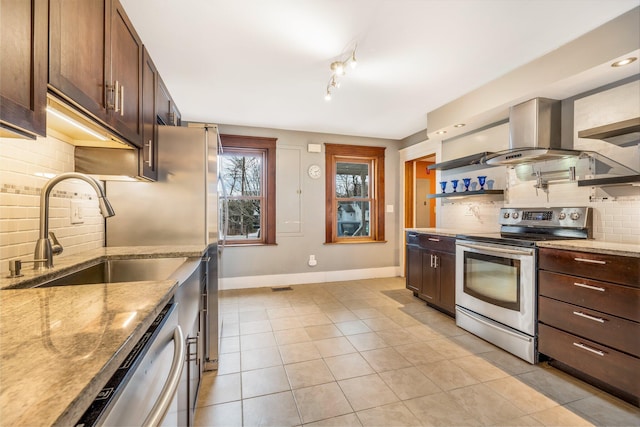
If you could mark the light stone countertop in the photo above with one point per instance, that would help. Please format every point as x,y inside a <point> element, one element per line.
<point>65,264</point>
<point>594,246</point>
<point>60,345</point>
<point>449,232</point>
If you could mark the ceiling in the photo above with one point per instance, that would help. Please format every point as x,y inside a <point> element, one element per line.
<point>266,63</point>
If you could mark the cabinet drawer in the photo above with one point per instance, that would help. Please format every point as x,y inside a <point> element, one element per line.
<point>614,368</point>
<point>413,238</point>
<point>611,268</point>
<point>612,331</point>
<point>438,243</point>
<point>621,301</point>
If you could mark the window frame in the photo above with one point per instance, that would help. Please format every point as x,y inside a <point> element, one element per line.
<point>335,153</point>
<point>243,145</point>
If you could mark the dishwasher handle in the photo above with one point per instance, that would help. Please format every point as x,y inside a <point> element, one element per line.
<point>170,387</point>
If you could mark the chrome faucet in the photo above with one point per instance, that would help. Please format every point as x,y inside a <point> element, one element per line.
<point>47,244</point>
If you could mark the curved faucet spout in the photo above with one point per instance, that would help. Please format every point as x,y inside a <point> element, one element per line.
<point>43,256</point>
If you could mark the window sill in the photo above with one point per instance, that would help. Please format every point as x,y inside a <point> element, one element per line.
<point>242,245</point>
<point>355,242</point>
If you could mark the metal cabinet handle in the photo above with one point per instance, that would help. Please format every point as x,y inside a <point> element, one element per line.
<point>584,285</point>
<point>435,261</point>
<point>160,408</point>
<point>591,261</point>
<point>150,155</point>
<point>116,94</point>
<point>433,239</point>
<point>592,350</point>
<point>121,100</point>
<point>586,316</point>
<point>431,258</point>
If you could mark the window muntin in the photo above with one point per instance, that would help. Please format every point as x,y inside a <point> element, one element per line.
<point>355,193</point>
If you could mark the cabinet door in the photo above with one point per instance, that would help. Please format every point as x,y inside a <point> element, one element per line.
<point>430,277</point>
<point>23,68</point>
<point>414,268</point>
<point>148,157</point>
<point>78,53</point>
<point>126,76</point>
<point>163,103</point>
<point>447,267</point>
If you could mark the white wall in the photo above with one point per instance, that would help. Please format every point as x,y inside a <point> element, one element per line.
<point>24,167</point>
<point>299,236</point>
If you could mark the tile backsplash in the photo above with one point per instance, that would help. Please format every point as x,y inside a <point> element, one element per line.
<point>26,166</point>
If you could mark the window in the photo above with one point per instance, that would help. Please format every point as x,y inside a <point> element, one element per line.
<point>355,193</point>
<point>247,173</point>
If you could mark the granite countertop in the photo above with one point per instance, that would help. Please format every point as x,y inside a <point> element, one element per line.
<point>450,232</point>
<point>60,345</point>
<point>594,246</point>
<point>68,263</point>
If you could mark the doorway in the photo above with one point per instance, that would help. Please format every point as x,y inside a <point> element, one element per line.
<point>420,182</point>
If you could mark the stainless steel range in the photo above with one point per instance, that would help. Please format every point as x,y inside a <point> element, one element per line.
<point>496,277</point>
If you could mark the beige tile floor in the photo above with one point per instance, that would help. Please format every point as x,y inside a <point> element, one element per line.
<point>367,353</point>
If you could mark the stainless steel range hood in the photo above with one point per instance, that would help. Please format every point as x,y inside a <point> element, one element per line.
<point>534,134</point>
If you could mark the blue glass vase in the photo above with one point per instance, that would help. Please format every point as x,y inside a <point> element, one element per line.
<point>482,180</point>
<point>467,182</point>
<point>454,184</point>
<point>443,185</point>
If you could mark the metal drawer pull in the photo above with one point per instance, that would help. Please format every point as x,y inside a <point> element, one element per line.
<point>497,250</point>
<point>584,285</point>
<point>592,261</point>
<point>592,350</point>
<point>586,316</point>
<point>433,239</point>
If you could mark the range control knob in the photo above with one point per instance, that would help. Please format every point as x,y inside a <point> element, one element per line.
<point>574,216</point>
<point>515,215</point>
<point>562,215</point>
<point>506,215</point>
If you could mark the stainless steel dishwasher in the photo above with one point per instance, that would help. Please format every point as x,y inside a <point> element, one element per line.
<point>143,391</point>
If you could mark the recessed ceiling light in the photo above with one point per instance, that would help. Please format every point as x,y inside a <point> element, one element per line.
<point>441,132</point>
<point>624,62</point>
<point>459,125</point>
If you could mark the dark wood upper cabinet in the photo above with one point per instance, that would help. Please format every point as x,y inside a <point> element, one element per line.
<point>149,155</point>
<point>95,63</point>
<point>23,68</point>
<point>168,113</point>
<point>126,75</point>
<point>79,66</point>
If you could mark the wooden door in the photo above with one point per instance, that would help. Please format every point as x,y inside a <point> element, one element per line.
<point>149,155</point>
<point>23,67</point>
<point>126,76</point>
<point>79,53</point>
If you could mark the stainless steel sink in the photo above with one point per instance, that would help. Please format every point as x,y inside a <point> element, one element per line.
<point>120,270</point>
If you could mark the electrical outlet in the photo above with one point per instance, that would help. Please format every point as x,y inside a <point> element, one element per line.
<point>76,212</point>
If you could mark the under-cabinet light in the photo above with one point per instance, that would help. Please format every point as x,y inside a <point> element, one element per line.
<point>75,124</point>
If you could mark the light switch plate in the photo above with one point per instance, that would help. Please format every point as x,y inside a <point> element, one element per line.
<point>76,212</point>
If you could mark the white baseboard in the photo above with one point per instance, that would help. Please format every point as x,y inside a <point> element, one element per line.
<point>247,282</point>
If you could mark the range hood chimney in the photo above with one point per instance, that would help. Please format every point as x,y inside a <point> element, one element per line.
<point>534,134</point>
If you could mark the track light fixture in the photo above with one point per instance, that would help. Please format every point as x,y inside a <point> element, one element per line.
<point>338,68</point>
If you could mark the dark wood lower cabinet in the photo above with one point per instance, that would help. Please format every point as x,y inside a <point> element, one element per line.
<point>430,270</point>
<point>588,312</point>
<point>613,368</point>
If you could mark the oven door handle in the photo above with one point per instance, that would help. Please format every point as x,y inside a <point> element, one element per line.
<point>498,250</point>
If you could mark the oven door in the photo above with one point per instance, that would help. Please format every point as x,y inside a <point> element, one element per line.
<point>498,282</point>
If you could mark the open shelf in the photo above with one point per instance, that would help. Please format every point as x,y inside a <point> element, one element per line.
<point>461,194</point>
<point>474,159</point>
<point>615,180</point>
